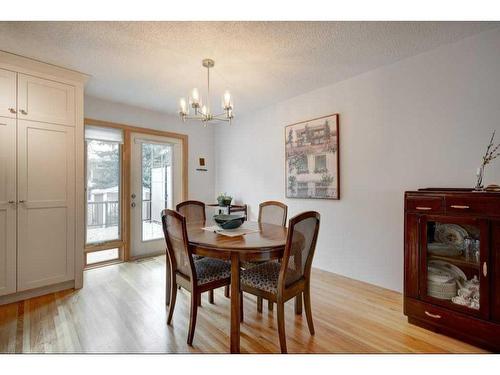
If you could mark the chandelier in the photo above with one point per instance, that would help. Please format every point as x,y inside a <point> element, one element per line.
<point>202,112</point>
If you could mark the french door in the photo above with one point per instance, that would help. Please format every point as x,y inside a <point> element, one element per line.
<point>155,184</point>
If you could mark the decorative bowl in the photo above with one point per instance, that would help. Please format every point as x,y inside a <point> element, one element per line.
<point>229,221</point>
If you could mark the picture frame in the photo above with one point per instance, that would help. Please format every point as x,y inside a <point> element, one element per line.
<point>312,159</point>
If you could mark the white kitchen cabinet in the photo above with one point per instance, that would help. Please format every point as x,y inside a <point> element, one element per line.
<point>8,93</point>
<point>41,178</point>
<point>7,206</point>
<point>46,207</point>
<point>45,100</point>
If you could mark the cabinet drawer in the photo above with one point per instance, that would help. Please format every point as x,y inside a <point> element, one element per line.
<point>465,327</point>
<point>424,204</point>
<point>472,206</point>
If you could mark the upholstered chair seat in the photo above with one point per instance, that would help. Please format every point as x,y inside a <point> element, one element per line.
<point>209,269</point>
<point>265,276</point>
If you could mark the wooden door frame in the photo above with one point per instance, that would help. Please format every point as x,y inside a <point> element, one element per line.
<point>125,170</point>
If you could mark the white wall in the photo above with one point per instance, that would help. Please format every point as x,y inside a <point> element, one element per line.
<point>201,140</point>
<point>423,121</point>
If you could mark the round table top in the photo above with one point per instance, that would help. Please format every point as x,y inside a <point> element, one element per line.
<point>269,237</point>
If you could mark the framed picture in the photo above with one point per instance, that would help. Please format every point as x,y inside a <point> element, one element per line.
<point>312,159</point>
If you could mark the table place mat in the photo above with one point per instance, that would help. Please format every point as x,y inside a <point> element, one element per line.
<point>230,232</point>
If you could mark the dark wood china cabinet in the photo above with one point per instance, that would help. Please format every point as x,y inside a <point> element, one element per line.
<point>452,263</point>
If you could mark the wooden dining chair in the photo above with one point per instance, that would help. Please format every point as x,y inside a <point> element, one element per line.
<point>197,277</point>
<point>194,211</point>
<point>271,212</point>
<point>280,281</point>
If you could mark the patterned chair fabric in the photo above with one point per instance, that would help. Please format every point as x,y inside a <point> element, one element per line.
<point>209,269</point>
<point>265,276</point>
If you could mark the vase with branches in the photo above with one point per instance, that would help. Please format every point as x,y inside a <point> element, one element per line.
<point>491,154</point>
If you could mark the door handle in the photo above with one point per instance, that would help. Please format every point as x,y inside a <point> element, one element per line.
<point>133,195</point>
<point>132,204</point>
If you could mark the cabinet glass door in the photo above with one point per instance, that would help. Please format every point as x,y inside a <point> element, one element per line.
<point>453,261</point>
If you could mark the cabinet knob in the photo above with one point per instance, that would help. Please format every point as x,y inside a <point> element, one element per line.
<point>23,112</point>
<point>12,110</point>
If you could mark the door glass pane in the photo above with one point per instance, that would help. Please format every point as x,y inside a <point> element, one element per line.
<point>103,256</point>
<point>453,259</point>
<point>156,187</point>
<point>103,191</point>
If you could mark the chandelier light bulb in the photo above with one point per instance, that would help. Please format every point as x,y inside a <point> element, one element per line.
<point>227,100</point>
<point>204,110</point>
<point>195,96</point>
<point>183,108</point>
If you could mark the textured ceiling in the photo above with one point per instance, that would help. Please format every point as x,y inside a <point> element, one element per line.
<point>152,64</point>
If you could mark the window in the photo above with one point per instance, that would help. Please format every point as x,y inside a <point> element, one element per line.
<point>156,187</point>
<point>320,164</point>
<point>302,189</point>
<point>103,191</point>
<point>302,166</point>
<point>103,148</point>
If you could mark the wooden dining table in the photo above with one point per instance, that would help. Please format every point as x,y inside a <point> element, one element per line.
<point>266,244</point>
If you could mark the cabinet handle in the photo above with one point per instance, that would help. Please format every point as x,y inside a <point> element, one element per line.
<point>435,316</point>
<point>23,112</point>
<point>459,207</point>
<point>424,208</point>
<point>485,269</point>
<point>12,110</point>
<point>22,201</point>
<point>12,202</point>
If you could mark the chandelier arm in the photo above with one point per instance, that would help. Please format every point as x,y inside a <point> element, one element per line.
<point>221,114</point>
<point>220,119</point>
<point>187,117</point>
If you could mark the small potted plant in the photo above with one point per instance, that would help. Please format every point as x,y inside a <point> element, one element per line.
<point>224,200</point>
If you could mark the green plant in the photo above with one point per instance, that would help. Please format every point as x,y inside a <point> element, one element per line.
<point>326,179</point>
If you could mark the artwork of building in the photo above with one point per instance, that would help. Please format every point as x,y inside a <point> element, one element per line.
<point>312,159</point>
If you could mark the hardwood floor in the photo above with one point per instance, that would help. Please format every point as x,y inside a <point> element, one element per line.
<point>121,309</point>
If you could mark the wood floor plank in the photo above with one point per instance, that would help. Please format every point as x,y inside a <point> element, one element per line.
<point>122,309</point>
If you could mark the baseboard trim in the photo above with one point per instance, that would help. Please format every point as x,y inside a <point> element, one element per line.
<point>16,297</point>
<point>152,255</point>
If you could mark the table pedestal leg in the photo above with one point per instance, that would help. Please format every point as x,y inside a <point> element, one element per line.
<point>235,303</point>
